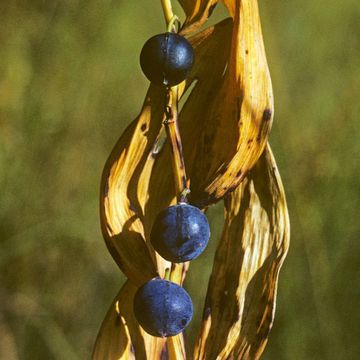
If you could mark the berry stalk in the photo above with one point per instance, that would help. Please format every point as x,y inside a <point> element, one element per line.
<point>173,134</point>
<point>167,9</point>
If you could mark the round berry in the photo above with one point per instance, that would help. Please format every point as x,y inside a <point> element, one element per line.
<point>180,233</point>
<point>166,59</point>
<point>162,308</point>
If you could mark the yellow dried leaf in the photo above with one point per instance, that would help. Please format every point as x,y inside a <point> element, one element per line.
<point>240,302</point>
<point>176,347</point>
<point>236,106</point>
<point>197,12</point>
<point>224,125</point>
<point>231,6</point>
<point>120,208</point>
<point>120,336</point>
<point>228,115</point>
<point>236,115</point>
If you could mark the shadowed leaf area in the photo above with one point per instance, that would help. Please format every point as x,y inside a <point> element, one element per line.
<point>71,84</point>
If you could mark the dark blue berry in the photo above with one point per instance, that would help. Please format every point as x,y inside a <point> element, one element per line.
<point>166,59</point>
<point>180,233</point>
<point>162,308</point>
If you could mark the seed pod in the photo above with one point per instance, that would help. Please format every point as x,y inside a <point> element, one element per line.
<point>166,59</point>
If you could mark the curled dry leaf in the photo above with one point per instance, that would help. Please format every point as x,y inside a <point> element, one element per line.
<point>236,106</point>
<point>224,125</point>
<point>121,212</point>
<point>240,302</point>
<point>227,118</point>
<point>236,117</point>
<point>120,336</point>
<point>231,6</point>
<point>197,12</point>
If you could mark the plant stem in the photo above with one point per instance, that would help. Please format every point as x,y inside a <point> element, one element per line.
<point>171,125</point>
<point>173,134</point>
<point>167,9</point>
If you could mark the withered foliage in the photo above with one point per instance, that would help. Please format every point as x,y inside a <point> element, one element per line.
<point>224,124</point>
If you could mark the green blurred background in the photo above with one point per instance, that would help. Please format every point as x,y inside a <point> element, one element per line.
<point>70,82</point>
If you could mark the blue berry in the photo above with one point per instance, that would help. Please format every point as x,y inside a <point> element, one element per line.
<point>166,59</point>
<point>180,233</point>
<point>162,308</point>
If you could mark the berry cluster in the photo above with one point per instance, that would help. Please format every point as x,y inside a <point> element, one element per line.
<point>181,232</point>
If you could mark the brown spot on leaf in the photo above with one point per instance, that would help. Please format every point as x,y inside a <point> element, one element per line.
<point>232,188</point>
<point>207,313</point>
<point>267,114</point>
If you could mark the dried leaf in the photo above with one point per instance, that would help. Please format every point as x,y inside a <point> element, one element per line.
<point>231,100</point>
<point>235,114</point>
<point>224,125</point>
<point>231,6</point>
<point>240,303</point>
<point>113,340</point>
<point>236,107</point>
<point>197,12</point>
<point>120,206</point>
<point>176,347</point>
<point>120,336</point>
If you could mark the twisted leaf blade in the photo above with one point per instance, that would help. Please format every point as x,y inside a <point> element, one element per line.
<point>240,303</point>
<point>238,117</point>
<point>225,124</point>
<point>121,337</point>
<point>114,340</point>
<point>197,12</point>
